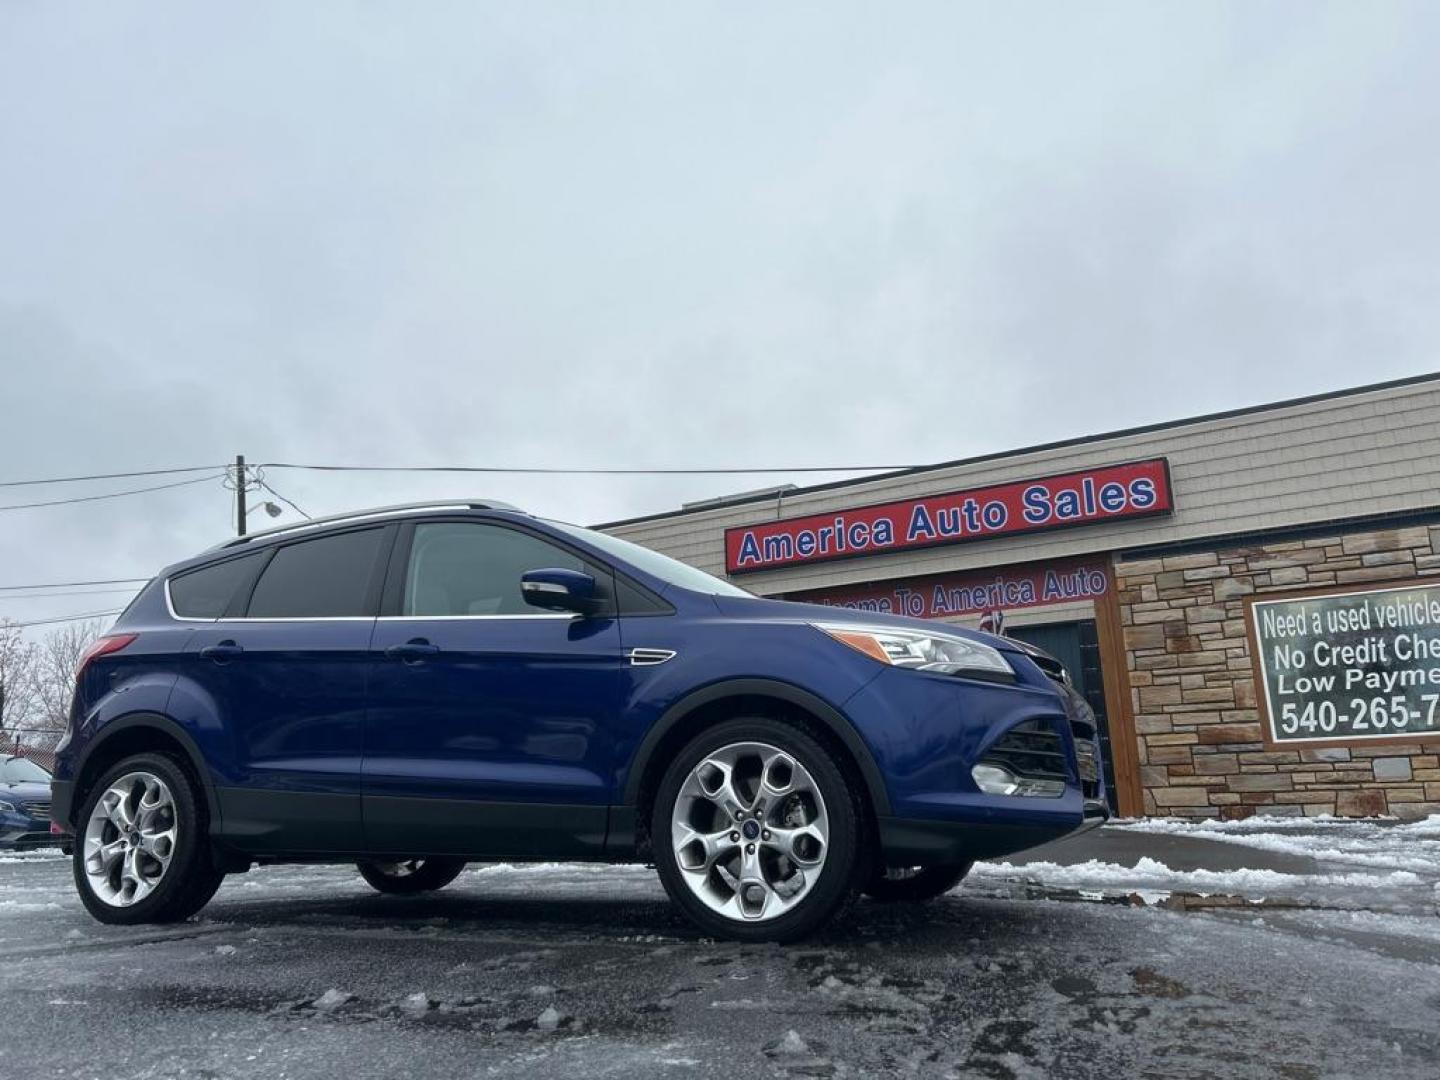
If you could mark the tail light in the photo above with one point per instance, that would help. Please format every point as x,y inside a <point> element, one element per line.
<point>104,646</point>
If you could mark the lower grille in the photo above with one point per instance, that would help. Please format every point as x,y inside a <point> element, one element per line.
<point>1087,757</point>
<point>1085,752</point>
<point>39,810</point>
<point>1032,750</point>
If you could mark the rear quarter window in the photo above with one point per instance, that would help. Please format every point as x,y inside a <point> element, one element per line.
<point>207,592</point>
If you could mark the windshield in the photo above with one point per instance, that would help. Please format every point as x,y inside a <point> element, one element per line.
<point>652,562</point>
<point>17,770</point>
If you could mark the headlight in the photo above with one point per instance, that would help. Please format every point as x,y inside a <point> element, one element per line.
<point>924,651</point>
<point>6,808</point>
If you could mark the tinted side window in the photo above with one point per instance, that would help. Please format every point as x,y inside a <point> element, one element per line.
<point>461,569</point>
<point>324,578</point>
<point>207,592</point>
<point>635,601</point>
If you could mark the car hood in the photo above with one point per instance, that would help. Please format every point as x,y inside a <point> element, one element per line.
<point>25,791</point>
<point>792,611</point>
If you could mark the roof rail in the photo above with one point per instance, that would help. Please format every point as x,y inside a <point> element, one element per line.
<point>375,512</point>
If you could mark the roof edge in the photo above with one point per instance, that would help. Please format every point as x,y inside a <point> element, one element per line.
<point>724,503</point>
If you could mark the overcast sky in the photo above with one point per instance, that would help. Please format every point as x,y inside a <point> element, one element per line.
<point>665,235</point>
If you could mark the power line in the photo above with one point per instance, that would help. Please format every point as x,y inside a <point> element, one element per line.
<point>516,470</point>
<point>546,471</point>
<point>68,584</point>
<point>66,618</point>
<point>112,494</point>
<point>110,476</point>
<point>282,498</point>
<point>80,592</point>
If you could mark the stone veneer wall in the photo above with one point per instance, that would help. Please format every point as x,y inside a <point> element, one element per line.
<point>1193,688</point>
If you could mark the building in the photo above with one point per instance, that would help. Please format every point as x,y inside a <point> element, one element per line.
<point>1250,599</point>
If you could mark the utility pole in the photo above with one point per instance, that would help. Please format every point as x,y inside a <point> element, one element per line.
<point>240,494</point>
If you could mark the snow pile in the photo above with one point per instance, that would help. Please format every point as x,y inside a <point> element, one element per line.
<point>1367,843</point>
<point>332,999</point>
<point>1150,875</point>
<point>1424,829</point>
<point>33,855</point>
<point>1255,823</point>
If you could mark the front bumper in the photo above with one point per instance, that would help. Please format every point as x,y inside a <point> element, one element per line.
<point>927,842</point>
<point>928,733</point>
<point>22,831</point>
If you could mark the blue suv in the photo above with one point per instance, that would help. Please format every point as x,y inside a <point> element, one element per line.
<point>413,688</point>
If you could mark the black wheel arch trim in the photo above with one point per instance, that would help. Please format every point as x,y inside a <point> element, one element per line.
<point>167,727</point>
<point>832,718</point>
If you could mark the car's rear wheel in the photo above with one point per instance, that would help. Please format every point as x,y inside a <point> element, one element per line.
<point>755,832</point>
<point>406,877</point>
<point>914,884</point>
<point>140,852</point>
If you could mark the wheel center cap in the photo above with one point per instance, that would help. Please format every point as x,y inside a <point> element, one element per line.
<point>751,829</point>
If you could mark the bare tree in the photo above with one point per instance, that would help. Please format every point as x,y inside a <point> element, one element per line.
<point>17,679</point>
<point>37,680</point>
<point>53,678</point>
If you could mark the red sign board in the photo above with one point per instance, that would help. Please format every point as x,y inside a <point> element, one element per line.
<point>1086,497</point>
<point>976,592</point>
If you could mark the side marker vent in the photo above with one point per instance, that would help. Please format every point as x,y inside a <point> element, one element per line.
<point>649,657</point>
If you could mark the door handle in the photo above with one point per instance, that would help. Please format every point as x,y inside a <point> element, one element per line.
<point>221,652</point>
<point>412,651</point>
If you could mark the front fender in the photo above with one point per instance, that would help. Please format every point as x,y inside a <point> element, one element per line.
<point>827,714</point>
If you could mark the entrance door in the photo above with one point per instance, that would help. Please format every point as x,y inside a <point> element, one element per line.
<point>491,722</point>
<point>1077,646</point>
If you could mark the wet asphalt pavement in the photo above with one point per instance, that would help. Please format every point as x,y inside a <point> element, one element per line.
<point>586,971</point>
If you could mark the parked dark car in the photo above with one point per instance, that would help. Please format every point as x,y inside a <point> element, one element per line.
<point>24,804</point>
<point>414,688</point>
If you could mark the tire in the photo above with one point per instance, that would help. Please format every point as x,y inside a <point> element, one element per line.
<point>737,879</point>
<point>914,884</point>
<point>411,876</point>
<point>157,869</point>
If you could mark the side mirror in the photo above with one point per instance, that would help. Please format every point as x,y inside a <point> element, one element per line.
<point>561,590</point>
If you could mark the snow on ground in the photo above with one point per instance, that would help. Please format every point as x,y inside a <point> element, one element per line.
<point>1268,823</point>
<point>1152,876</point>
<point>30,855</point>
<point>1371,843</point>
<point>558,970</point>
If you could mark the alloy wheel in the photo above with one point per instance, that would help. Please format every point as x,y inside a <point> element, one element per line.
<point>750,831</point>
<point>130,839</point>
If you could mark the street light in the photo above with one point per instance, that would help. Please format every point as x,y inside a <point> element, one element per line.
<point>269,507</point>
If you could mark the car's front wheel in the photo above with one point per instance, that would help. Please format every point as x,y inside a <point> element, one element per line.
<point>914,884</point>
<point>755,832</point>
<point>407,877</point>
<point>140,852</point>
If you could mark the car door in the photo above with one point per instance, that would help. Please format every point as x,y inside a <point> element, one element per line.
<point>285,674</point>
<point>491,723</point>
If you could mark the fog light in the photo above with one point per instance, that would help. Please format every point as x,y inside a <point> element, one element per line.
<point>993,780</point>
<point>996,780</point>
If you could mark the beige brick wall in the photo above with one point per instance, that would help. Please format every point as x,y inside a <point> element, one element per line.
<point>1197,724</point>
